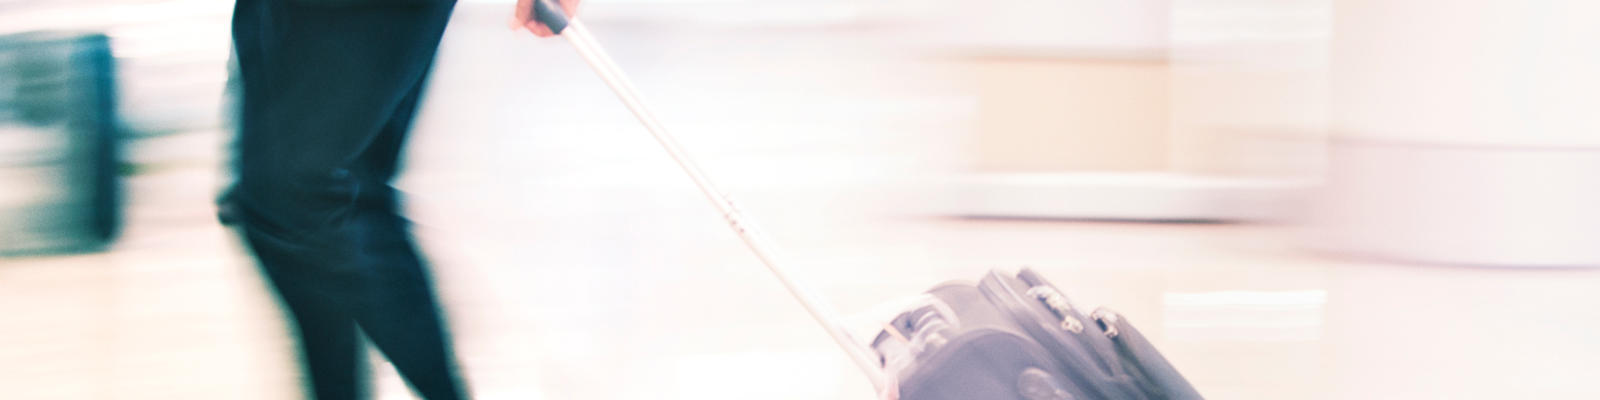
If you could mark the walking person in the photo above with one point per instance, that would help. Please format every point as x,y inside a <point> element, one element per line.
<point>329,89</point>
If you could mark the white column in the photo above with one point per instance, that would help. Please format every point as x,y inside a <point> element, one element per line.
<point>1465,132</point>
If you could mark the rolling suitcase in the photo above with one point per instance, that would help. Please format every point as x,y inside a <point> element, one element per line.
<point>58,143</point>
<point>1017,337</point>
<point>1005,337</point>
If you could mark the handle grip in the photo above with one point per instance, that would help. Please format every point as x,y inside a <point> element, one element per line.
<point>550,14</point>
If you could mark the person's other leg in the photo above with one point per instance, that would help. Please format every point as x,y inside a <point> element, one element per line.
<point>320,86</point>
<point>401,315</point>
<point>400,312</point>
<point>329,344</point>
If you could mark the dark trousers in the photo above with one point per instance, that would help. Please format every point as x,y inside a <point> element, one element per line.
<point>328,97</point>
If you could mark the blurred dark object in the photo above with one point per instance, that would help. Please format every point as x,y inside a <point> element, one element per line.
<point>227,211</point>
<point>58,143</point>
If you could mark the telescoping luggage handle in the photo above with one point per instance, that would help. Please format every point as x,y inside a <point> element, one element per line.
<point>578,35</point>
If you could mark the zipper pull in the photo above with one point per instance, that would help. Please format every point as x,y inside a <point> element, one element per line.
<point>1108,321</point>
<point>1059,306</point>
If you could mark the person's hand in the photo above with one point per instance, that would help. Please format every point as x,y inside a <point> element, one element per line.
<point>525,20</point>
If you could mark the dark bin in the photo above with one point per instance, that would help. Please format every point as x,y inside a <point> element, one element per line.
<point>58,143</point>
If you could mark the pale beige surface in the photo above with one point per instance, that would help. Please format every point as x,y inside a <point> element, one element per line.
<point>1058,114</point>
<point>1243,120</point>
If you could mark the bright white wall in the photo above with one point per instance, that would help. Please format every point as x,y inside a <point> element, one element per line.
<point>1464,132</point>
<point>1470,72</point>
<point>1114,25</point>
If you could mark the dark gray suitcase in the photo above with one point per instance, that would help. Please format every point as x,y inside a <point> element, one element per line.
<point>1017,337</point>
<point>1004,338</point>
<point>58,143</point>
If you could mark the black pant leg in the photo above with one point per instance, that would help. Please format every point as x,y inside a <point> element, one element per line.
<point>330,348</point>
<point>328,94</point>
<point>401,315</point>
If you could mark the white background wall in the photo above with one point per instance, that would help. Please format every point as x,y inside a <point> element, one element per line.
<point>1469,72</point>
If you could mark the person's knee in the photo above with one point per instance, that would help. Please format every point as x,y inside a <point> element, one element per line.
<point>294,201</point>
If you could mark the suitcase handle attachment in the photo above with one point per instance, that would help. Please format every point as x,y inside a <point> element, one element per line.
<point>864,357</point>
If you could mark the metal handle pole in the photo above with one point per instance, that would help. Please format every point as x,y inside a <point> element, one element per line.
<point>591,52</point>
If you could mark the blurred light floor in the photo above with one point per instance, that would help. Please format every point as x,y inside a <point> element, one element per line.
<point>660,302</point>
<point>576,262</point>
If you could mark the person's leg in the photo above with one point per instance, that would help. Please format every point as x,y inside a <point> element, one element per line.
<point>400,313</point>
<point>321,84</point>
<point>325,84</point>
<point>330,348</point>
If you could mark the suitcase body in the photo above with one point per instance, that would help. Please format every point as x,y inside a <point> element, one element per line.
<point>58,143</point>
<point>1017,337</point>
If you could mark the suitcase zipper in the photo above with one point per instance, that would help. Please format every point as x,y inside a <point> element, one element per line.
<point>1059,306</point>
<point>1108,381</point>
<point>1101,349</point>
<point>1108,321</point>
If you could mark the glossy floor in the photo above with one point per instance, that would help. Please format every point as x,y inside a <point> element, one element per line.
<point>599,303</point>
